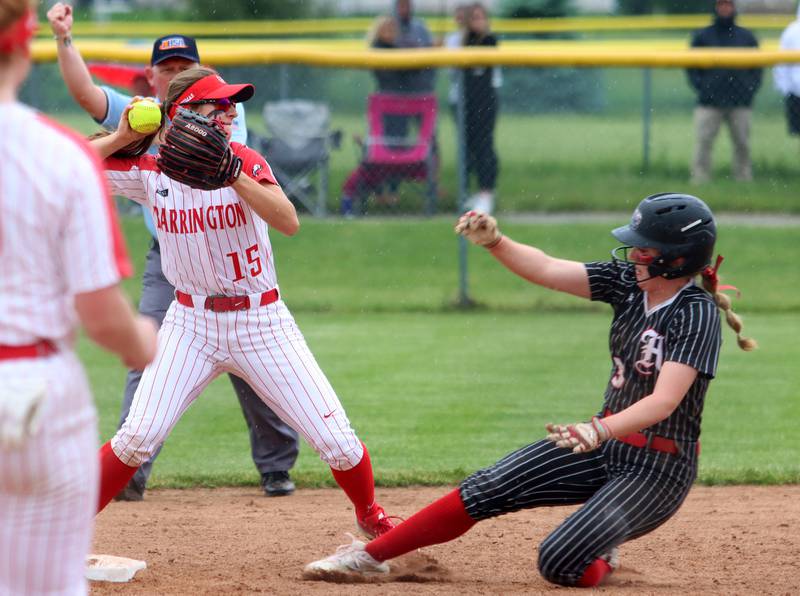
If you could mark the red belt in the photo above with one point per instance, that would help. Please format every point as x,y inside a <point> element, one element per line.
<point>227,303</point>
<point>653,442</point>
<point>40,349</point>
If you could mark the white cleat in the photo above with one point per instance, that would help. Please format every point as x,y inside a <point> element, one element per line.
<point>348,558</point>
<point>612,558</point>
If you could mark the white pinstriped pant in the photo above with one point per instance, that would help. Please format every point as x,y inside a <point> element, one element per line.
<point>264,347</point>
<point>48,487</point>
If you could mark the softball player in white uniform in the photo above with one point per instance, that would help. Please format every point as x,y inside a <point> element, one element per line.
<point>61,257</point>
<point>228,315</point>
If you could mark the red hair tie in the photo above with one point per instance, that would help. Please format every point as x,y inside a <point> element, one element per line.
<point>710,274</point>
<point>19,34</point>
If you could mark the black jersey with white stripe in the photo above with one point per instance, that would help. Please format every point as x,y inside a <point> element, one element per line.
<point>684,329</point>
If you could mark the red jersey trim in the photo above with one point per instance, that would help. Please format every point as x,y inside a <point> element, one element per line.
<point>254,164</point>
<point>120,251</point>
<point>146,162</point>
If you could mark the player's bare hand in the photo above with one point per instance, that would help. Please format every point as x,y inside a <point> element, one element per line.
<point>124,129</point>
<point>581,437</point>
<point>479,228</point>
<point>60,17</point>
<point>143,348</point>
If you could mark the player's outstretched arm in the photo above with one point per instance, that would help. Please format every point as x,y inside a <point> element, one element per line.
<point>110,321</point>
<point>76,75</point>
<point>526,261</point>
<point>270,203</point>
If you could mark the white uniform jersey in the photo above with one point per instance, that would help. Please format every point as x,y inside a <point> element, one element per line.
<point>58,235</point>
<point>58,238</point>
<point>212,242</point>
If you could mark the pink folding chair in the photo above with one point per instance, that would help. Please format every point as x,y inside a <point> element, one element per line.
<point>400,146</point>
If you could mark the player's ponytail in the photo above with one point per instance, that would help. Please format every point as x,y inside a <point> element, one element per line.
<point>723,302</point>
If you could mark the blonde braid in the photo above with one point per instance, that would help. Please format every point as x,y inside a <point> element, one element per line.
<point>733,320</point>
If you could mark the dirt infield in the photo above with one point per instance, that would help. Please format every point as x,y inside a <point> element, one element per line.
<point>725,540</point>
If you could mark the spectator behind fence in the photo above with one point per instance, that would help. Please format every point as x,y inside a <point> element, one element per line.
<point>480,107</point>
<point>383,36</point>
<point>453,41</point>
<point>402,31</point>
<point>723,94</point>
<point>787,76</point>
<point>358,185</point>
<point>413,33</point>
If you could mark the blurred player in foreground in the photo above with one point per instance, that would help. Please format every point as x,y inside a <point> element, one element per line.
<point>632,465</point>
<point>61,260</point>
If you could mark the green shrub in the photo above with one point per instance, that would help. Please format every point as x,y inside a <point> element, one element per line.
<point>231,10</point>
<point>530,9</point>
<point>667,6</point>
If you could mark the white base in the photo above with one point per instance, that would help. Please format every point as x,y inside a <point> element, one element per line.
<point>107,568</point>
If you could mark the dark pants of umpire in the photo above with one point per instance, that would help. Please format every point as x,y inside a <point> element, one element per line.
<point>626,492</point>
<point>274,445</point>
<point>480,118</point>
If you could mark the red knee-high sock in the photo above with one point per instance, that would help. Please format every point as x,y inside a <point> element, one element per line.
<point>358,484</point>
<point>594,574</point>
<point>441,521</point>
<point>114,475</point>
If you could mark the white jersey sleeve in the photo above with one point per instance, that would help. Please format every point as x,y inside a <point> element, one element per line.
<point>58,229</point>
<point>94,254</point>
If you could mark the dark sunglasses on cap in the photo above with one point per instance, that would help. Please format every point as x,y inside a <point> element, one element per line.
<point>224,102</point>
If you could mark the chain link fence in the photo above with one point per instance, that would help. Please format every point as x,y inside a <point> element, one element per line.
<point>530,139</point>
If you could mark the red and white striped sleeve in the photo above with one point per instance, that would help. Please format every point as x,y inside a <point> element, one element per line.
<point>124,174</point>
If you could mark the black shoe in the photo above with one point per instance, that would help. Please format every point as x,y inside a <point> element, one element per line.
<point>131,492</point>
<point>277,484</point>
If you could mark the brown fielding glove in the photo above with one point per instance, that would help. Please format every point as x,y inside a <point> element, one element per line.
<point>196,152</point>
<point>479,228</point>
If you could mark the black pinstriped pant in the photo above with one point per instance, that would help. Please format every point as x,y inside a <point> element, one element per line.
<point>626,491</point>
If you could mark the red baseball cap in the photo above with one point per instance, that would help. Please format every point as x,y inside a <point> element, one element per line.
<point>210,88</point>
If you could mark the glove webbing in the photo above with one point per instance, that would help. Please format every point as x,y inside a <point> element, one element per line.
<point>195,152</point>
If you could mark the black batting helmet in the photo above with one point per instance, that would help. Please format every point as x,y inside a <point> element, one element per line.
<point>679,226</point>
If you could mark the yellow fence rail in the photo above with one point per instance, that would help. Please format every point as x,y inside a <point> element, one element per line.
<point>532,55</point>
<point>438,25</point>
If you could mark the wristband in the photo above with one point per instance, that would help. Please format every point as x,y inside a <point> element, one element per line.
<point>601,428</point>
<point>494,242</point>
<point>67,40</point>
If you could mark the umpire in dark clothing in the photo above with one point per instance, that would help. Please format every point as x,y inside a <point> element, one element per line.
<point>723,95</point>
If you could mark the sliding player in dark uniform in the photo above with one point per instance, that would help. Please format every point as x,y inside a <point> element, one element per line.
<point>632,465</point>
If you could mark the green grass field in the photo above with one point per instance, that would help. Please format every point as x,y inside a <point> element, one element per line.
<point>436,392</point>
